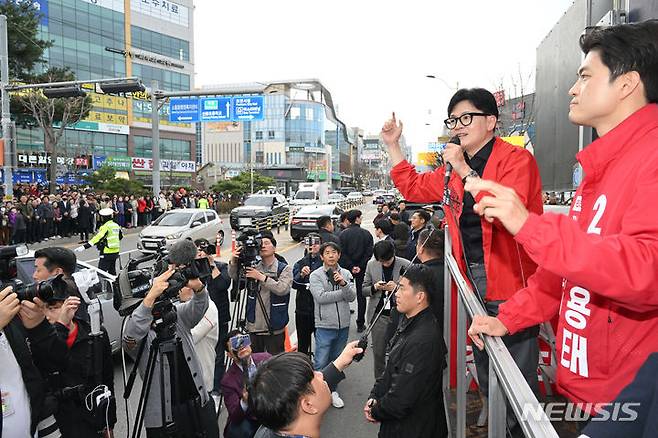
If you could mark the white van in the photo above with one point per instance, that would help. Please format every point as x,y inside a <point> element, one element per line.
<point>306,196</point>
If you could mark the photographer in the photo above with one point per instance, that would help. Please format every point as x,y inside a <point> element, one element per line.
<point>267,309</point>
<point>304,305</point>
<point>21,384</point>
<point>218,286</point>
<point>382,274</point>
<point>193,406</point>
<point>240,422</point>
<point>333,289</point>
<point>64,350</point>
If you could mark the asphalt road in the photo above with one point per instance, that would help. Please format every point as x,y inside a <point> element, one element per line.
<point>354,390</point>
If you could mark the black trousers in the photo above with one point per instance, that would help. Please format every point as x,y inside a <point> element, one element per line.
<point>108,263</point>
<point>209,421</point>
<point>273,344</point>
<point>219,358</point>
<point>305,328</point>
<point>360,299</point>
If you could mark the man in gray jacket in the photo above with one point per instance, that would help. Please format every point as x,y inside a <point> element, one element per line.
<point>195,410</point>
<point>333,289</point>
<point>382,274</point>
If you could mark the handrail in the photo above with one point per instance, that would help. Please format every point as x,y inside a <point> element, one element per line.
<point>504,373</point>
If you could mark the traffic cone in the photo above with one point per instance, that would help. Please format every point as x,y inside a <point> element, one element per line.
<point>218,245</point>
<point>288,346</point>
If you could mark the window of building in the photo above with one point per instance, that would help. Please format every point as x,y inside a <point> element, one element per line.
<point>259,135</point>
<point>270,135</point>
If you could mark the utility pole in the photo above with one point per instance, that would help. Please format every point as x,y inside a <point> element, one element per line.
<point>6,117</point>
<point>155,138</point>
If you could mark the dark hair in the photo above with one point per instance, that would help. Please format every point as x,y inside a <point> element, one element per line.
<point>353,215</point>
<point>400,232</point>
<point>278,385</point>
<point>342,217</point>
<point>421,279</point>
<point>394,216</point>
<point>323,221</point>
<point>326,245</point>
<point>479,97</point>
<point>423,214</point>
<point>625,48</point>
<point>383,250</point>
<point>385,226</point>
<point>269,235</point>
<point>228,336</point>
<point>57,257</point>
<point>432,243</point>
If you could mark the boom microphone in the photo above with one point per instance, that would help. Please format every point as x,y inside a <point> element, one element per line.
<point>446,179</point>
<point>182,253</point>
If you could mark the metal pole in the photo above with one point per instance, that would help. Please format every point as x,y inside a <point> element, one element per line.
<point>6,117</point>
<point>155,138</point>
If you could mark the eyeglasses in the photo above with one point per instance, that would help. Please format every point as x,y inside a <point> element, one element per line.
<point>465,119</point>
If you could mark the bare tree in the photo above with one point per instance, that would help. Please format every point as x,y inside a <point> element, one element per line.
<point>53,116</point>
<point>522,115</point>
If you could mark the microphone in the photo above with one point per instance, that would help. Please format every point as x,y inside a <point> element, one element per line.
<point>446,179</point>
<point>182,253</point>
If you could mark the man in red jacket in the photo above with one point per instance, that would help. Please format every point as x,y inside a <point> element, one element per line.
<point>495,263</point>
<point>598,267</point>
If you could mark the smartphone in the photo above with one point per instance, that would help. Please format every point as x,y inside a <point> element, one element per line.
<point>239,342</point>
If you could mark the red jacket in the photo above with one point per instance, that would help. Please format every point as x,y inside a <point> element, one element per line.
<point>508,266</point>
<point>599,266</point>
<point>141,205</point>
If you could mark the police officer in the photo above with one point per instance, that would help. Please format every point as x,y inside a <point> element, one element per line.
<point>107,240</point>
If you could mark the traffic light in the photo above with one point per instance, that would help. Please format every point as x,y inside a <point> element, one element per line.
<point>57,92</point>
<point>122,87</point>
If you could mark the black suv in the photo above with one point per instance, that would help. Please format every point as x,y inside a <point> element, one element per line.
<point>257,207</point>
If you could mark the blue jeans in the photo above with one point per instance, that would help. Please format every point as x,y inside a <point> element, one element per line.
<point>329,343</point>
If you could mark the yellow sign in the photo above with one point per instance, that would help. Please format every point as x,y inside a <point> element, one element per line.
<point>516,140</point>
<point>427,158</point>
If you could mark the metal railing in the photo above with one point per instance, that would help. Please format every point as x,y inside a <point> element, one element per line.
<point>505,379</point>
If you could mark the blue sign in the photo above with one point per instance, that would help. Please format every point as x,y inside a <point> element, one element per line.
<point>215,109</point>
<point>248,108</point>
<point>42,7</point>
<point>184,110</point>
<point>98,161</point>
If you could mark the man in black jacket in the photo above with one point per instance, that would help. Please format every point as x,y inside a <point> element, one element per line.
<point>430,253</point>
<point>65,351</point>
<point>218,287</point>
<point>326,229</point>
<point>356,244</point>
<point>407,398</point>
<point>304,304</point>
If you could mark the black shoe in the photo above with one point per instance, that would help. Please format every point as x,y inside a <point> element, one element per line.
<point>360,328</point>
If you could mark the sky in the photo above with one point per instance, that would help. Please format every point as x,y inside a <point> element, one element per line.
<point>373,56</point>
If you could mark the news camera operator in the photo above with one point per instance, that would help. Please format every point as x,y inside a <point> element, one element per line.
<point>267,310</point>
<point>64,350</point>
<point>195,411</point>
<point>304,304</point>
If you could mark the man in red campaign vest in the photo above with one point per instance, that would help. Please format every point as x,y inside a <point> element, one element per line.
<point>598,267</point>
<point>496,265</point>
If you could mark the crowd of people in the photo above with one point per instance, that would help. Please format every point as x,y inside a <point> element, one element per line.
<point>35,215</point>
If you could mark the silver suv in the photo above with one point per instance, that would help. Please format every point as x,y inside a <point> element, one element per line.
<point>175,225</point>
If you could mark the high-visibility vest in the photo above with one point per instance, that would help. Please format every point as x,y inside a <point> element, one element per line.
<point>110,234</point>
<point>203,203</point>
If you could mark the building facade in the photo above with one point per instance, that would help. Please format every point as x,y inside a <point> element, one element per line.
<point>299,130</point>
<point>148,39</point>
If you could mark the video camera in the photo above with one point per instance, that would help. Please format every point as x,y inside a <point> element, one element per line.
<point>136,279</point>
<point>251,242</point>
<point>8,256</point>
<point>312,239</point>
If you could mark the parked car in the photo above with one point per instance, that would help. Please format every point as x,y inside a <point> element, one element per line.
<point>257,207</point>
<point>367,193</point>
<point>336,198</point>
<point>304,221</point>
<point>178,224</point>
<point>378,199</point>
<point>111,318</point>
<point>306,197</point>
<point>355,196</point>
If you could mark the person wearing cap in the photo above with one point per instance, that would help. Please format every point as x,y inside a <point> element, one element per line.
<point>107,240</point>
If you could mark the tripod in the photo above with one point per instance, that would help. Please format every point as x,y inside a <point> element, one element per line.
<point>165,346</point>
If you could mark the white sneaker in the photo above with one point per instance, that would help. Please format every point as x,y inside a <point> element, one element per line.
<point>336,400</point>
